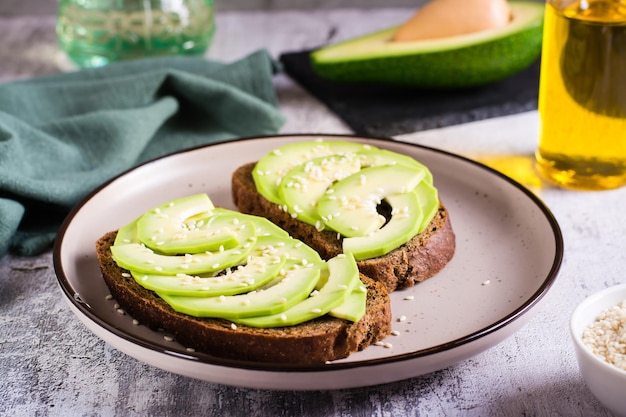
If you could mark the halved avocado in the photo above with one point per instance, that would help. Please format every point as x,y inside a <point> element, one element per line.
<point>455,62</point>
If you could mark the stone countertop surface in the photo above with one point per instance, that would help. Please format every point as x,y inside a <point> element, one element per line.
<point>53,366</point>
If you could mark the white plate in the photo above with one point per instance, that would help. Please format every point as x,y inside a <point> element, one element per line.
<point>509,250</point>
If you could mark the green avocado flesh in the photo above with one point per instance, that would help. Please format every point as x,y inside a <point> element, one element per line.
<point>171,219</point>
<point>392,234</point>
<point>291,287</point>
<point>135,256</point>
<point>350,188</point>
<point>454,62</point>
<point>350,206</point>
<point>269,170</point>
<point>305,184</point>
<point>342,280</point>
<point>261,277</point>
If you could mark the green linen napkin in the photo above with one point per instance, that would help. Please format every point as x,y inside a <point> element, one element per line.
<point>61,136</point>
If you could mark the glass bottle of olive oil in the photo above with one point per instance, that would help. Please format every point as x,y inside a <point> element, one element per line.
<point>582,94</point>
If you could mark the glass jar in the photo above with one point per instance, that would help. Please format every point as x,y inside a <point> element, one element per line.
<point>96,32</point>
<point>582,94</point>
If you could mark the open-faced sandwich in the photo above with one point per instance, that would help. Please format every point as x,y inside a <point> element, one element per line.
<point>340,197</point>
<point>237,286</point>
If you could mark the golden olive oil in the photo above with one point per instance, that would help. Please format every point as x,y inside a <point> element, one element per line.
<point>582,95</point>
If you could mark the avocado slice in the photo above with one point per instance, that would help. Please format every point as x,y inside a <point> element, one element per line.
<point>305,184</point>
<point>293,286</point>
<point>428,198</point>
<point>257,271</point>
<point>406,219</point>
<point>262,226</point>
<point>133,255</point>
<point>272,167</point>
<point>343,277</point>
<point>353,308</point>
<point>376,157</point>
<point>456,62</point>
<point>350,206</point>
<point>292,249</point>
<point>171,228</point>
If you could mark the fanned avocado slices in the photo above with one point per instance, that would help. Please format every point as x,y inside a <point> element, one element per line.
<point>263,276</point>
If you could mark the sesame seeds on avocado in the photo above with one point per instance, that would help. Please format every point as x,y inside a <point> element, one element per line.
<point>264,276</point>
<point>374,199</point>
<point>452,62</point>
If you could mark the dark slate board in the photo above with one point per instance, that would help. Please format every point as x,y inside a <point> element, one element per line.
<point>381,110</point>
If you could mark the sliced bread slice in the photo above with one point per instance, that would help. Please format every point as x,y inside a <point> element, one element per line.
<point>314,342</point>
<point>422,257</point>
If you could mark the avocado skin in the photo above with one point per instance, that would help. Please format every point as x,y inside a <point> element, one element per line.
<point>470,66</point>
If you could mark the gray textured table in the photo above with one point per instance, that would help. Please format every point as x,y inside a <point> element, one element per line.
<point>52,365</point>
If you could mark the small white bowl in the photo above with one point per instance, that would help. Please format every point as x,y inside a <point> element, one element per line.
<point>607,382</point>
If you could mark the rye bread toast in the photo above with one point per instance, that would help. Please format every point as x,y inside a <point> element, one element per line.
<point>314,342</point>
<point>422,257</point>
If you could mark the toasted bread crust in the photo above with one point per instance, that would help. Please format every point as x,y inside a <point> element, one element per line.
<point>420,258</point>
<point>314,342</point>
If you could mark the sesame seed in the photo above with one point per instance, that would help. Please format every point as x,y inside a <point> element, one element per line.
<point>487,282</point>
<point>409,297</point>
<point>316,310</point>
<point>402,318</point>
<point>135,322</point>
<point>283,317</point>
<point>233,326</point>
<point>395,333</point>
<point>120,311</point>
<point>606,336</point>
<point>168,338</point>
<point>108,297</point>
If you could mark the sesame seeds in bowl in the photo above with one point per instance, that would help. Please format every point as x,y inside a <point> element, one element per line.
<point>598,330</point>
